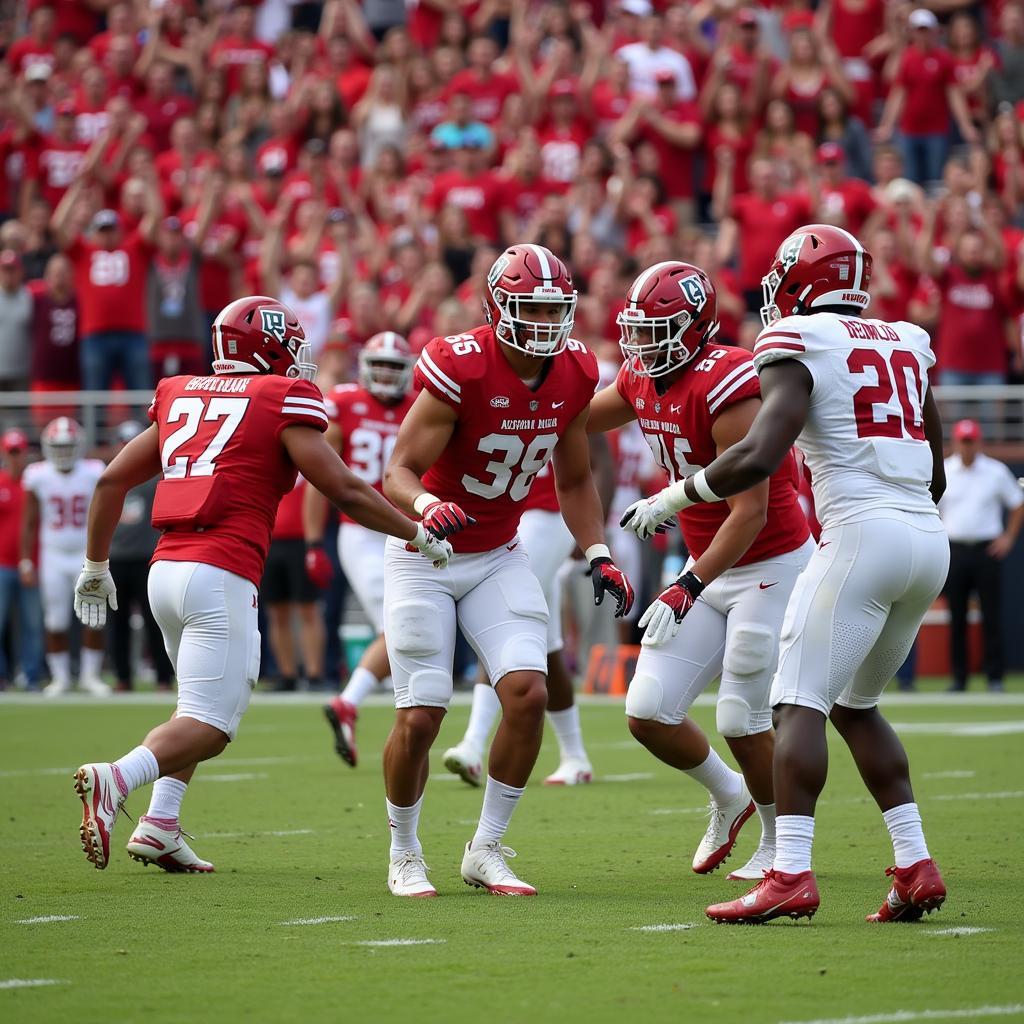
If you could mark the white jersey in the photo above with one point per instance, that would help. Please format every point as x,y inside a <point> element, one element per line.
<point>864,440</point>
<point>63,503</point>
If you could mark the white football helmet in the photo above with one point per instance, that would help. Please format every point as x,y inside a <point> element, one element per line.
<point>62,443</point>
<point>385,366</point>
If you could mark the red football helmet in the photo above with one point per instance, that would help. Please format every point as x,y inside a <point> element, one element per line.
<point>671,312</point>
<point>385,366</point>
<point>61,442</point>
<point>523,276</point>
<point>818,265</point>
<point>259,334</point>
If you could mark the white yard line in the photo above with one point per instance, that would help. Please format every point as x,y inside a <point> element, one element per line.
<point>380,943</point>
<point>49,919</point>
<point>318,920</point>
<point>1006,794</point>
<point>959,729</point>
<point>239,777</point>
<point>250,835</point>
<point>948,775</point>
<point>30,982</point>
<point>662,927</point>
<point>628,777</point>
<point>963,930</point>
<point>900,1016</point>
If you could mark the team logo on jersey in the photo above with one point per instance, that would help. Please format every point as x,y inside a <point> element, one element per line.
<point>498,268</point>
<point>694,291</point>
<point>657,406</point>
<point>273,323</point>
<point>499,402</point>
<point>534,406</point>
<point>640,403</point>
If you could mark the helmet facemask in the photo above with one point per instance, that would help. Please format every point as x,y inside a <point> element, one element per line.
<point>534,337</point>
<point>386,379</point>
<point>653,346</point>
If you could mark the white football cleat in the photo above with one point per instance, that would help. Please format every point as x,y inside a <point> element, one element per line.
<point>102,797</point>
<point>94,686</point>
<point>407,876</point>
<point>159,841</point>
<point>486,868</point>
<point>723,828</point>
<point>573,771</point>
<point>754,869</point>
<point>464,761</point>
<point>57,688</point>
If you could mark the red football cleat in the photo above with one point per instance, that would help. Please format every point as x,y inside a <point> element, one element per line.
<point>342,718</point>
<point>915,891</point>
<point>777,895</point>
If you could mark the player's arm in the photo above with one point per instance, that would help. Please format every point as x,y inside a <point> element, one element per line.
<point>933,434</point>
<point>602,466</point>
<point>423,436</point>
<point>786,399</point>
<point>134,464</point>
<point>608,410</point>
<point>582,511</point>
<point>314,518</point>
<point>27,540</point>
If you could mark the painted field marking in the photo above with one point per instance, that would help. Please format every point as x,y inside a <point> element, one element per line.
<point>962,930</point>
<point>680,810</point>
<point>662,927</point>
<point>628,777</point>
<point>250,762</point>
<point>960,729</point>
<point>239,835</point>
<point>49,919</point>
<point>19,772</point>
<point>380,943</point>
<point>948,775</point>
<point>239,777</point>
<point>899,1016</point>
<point>318,920</point>
<point>1006,794</point>
<point>30,982</point>
<point>444,777</point>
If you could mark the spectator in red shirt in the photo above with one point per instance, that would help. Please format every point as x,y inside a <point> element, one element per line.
<point>972,63</point>
<point>58,157</point>
<point>894,276</point>
<point>755,223</point>
<point>474,189</point>
<point>161,105</point>
<point>563,133</point>
<point>845,202</point>
<point>54,335</point>
<point>37,46</point>
<point>487,88</point>
<point>110,280</point>
<point>922,97</point>
<point>240,47</point>
<point>13,592</point>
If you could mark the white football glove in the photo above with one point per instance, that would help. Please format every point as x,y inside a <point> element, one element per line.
<point>437,550</point>
<point>93,592</point>
<point>648,516</point>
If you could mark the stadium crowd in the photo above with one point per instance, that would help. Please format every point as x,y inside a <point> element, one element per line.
<point>366,162</point>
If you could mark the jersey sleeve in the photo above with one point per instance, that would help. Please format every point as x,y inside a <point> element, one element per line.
<point>436,372</point>
<point>151,412</point>
<point>789,338</point>
<point>301,405</point>
<point>30,478</point>
<point>736,380</point>
<point>621,384</point>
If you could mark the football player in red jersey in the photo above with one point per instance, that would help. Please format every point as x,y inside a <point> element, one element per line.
<point>229,447</point>
<point>365,420</point>
<point>694,399</point>
<point>495,405</point>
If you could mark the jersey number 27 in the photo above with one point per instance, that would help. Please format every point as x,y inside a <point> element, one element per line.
<point>198,413</point>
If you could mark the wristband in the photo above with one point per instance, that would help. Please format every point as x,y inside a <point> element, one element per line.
<point>91,566</point>
<point>420,537</point>
<point>702,487</point>
<point>421,501</point>
<point>675,497</point>
<point>597,551</point>
<point>692,582</point>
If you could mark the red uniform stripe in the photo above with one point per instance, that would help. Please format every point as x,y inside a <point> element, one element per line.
<point>791,346</point>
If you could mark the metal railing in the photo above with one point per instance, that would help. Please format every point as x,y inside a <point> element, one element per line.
<point>998,408</point>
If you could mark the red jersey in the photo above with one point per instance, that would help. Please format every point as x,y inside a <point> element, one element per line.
<point>233,53</point>
<point>368,428</point>
<point>561,150</point>
<point>288,522</point>
<point>675,163</point>
<point>678,426</point>
<point>225,470</point>
<point>479,196</point>
<point>505,432</point>
<point>764,224</point>
<point>972,335</point>
<point>925,76</point>
<point>12,501</point>
<point>54,332</point>
<point>56,166</point>
<point>849,203</point>
<point>111,284</point>
<point>542,494</point>
<point>487,96</point>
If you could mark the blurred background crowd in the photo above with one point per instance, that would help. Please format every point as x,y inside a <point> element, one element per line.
<point>366,160</point>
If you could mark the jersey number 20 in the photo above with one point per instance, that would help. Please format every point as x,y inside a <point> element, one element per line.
<point>894,374</point>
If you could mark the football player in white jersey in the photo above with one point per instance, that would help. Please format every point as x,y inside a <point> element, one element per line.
<point>854,393</point>
<point>57,495</point>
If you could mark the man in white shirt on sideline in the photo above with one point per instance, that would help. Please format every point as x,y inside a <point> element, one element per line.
<point>978,491</point>
<point>649,57</point>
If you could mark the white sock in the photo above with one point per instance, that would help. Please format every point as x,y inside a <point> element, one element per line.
<point>137,767</point>
<point>403,822</point>
<point>717,778</point>
<point>793,846</point>
<point>485,709</point>
<point>567,730</point>
<point>166,799</point>
<point>904,825</point>
<point>92,663</point>
<point>766,812</point>
<point>59,664</point>
<point>499,803</point>
<point>361,683</point>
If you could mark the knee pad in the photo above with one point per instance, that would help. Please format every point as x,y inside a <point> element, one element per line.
<point>749,652</point>
<point>430,687</point>
<point>412,626</point>
<point>733,717</point>
<point>523,652</point>
<point>644,697</point>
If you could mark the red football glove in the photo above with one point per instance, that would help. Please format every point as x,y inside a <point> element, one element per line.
<point>443,518</point>
<point>609,578</point>
<point>318,565</point>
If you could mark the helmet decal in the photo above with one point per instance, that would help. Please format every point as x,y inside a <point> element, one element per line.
<point>273,323</point>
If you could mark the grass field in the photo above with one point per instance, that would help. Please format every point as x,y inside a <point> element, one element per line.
<point>297,924</point>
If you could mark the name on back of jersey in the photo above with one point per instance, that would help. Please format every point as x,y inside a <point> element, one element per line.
<point>225,385</point>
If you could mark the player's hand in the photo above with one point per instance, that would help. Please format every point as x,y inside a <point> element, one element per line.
<point>93,592</point>
<point>663,618</point>
<point>443,518</point>
<point>437,549</point>
<point>648,516</point>
<point>318,565</point>
<point>609,578</point>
